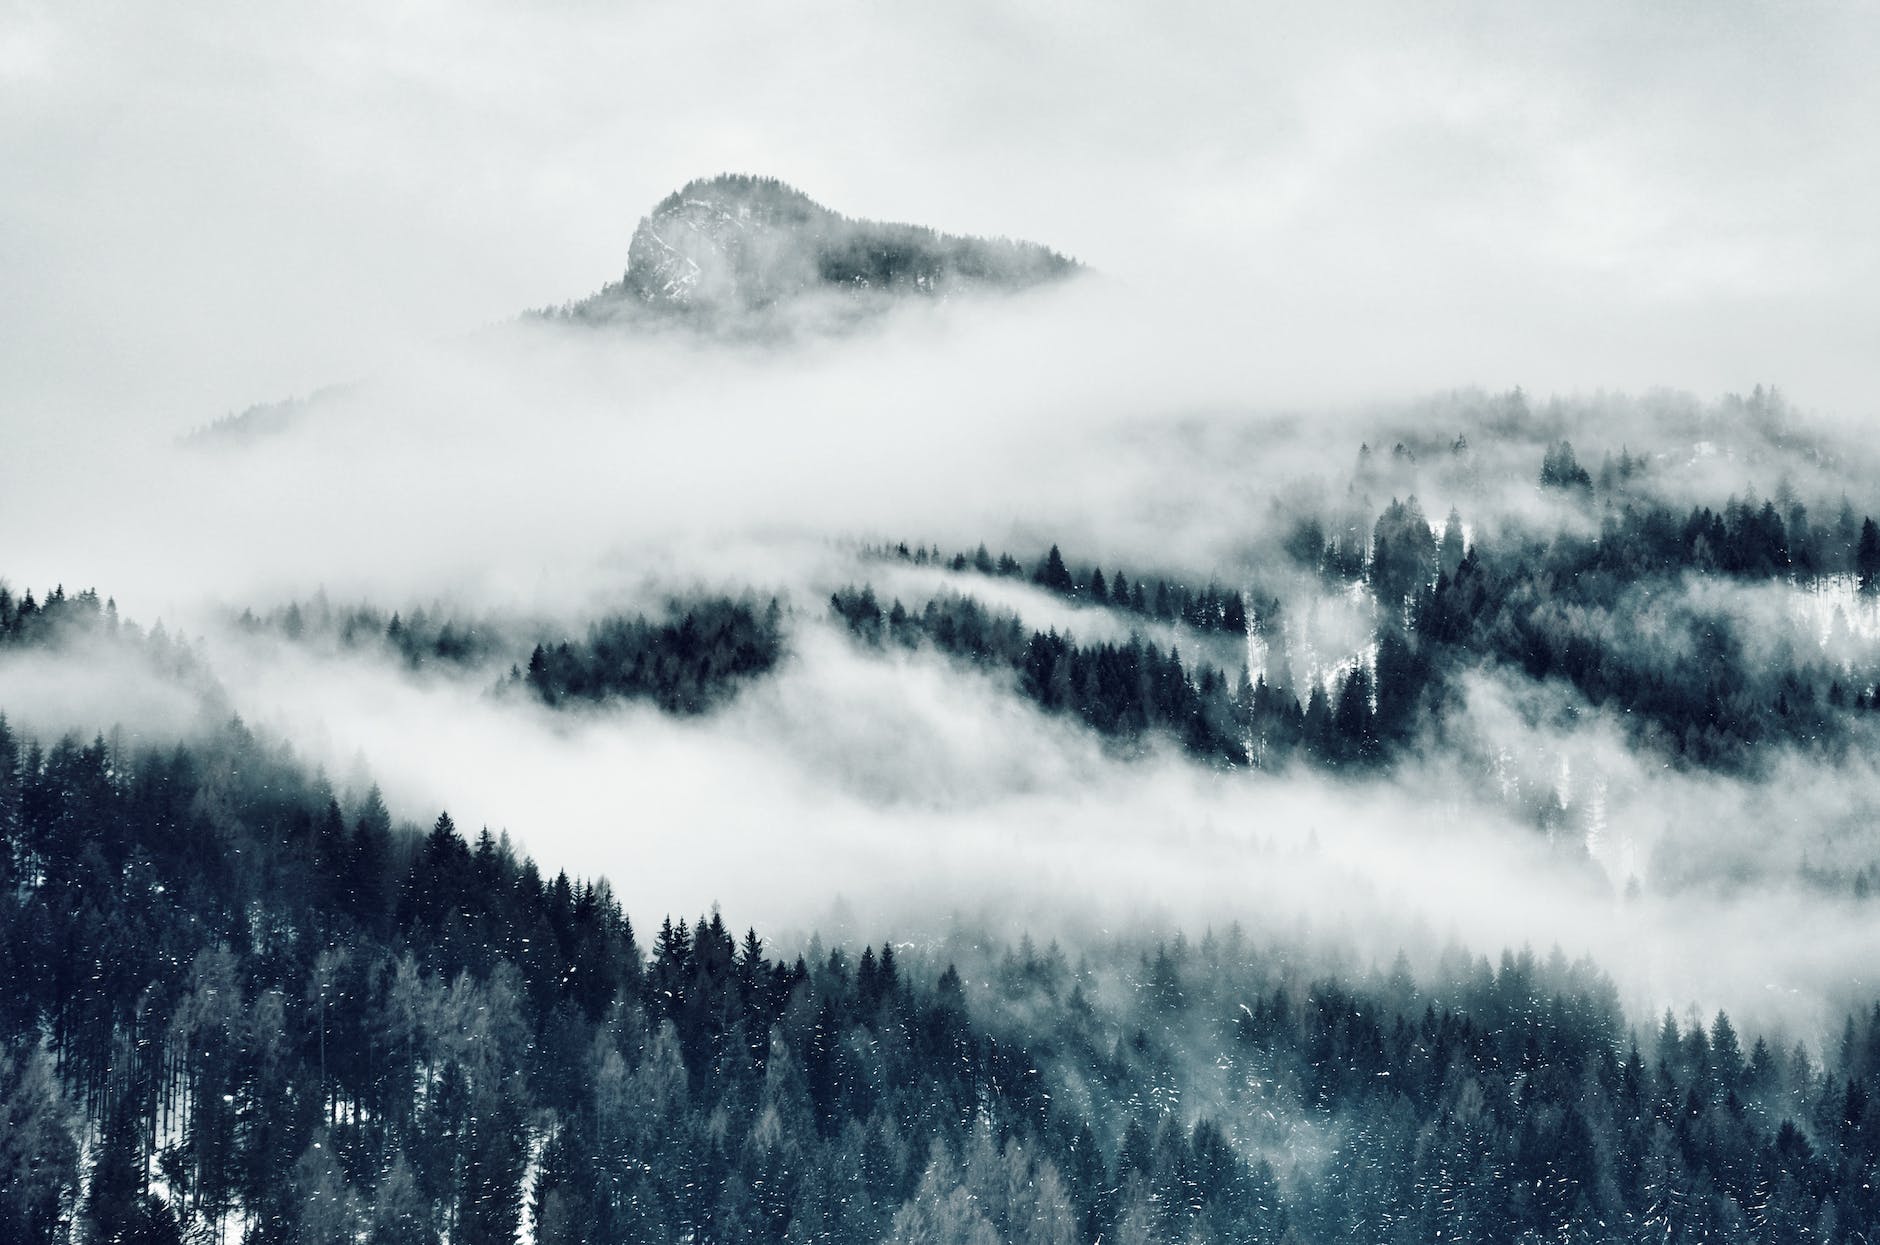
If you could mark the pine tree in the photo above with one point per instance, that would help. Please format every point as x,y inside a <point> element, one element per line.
<point>39,1156</point>
<point>1867,557</point>
<point>399,1213</point>
<point>1053,574</point>
<point>1449,549</point>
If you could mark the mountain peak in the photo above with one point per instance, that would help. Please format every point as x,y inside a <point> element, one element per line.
<point>737,244</point>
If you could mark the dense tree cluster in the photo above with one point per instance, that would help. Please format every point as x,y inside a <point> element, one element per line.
<point>1207,608</point>
<point>1567,606</point>
<point>1490,1103</point>
<point>1743,539</point>
<point>1128,690</point>
<point>1691,690</point>
<point>1603,613</point>
<point>1560,469</point>
<point>274,1015</point>
<point>687,662</point>
<point>25,621</point>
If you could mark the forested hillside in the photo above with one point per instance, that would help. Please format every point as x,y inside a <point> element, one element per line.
<point>236,1004</point>
<point>1569,602</point>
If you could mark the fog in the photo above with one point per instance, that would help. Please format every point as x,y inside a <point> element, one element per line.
<point>895,793</point>
<point>1596,197</point>
<point>1304,238</point>
<point>551,474</point>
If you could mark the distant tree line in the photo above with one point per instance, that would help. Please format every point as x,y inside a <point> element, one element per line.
<point>1124,691</point>
<point>25,621</point>
<point>419,639</point>
<point>687,661</point>
<point>1208,608</point>
<point>1746,538</point>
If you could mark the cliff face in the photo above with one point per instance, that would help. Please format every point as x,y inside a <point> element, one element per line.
<point>728,242</point>
<point>739,244</point>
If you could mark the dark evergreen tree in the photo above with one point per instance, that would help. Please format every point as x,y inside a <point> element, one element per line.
<point>1053,574</point>
<point>1867,556</point>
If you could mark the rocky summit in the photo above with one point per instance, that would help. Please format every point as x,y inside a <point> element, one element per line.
<point>738,244</point>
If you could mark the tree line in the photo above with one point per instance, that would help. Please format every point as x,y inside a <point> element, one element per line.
<point>1559,605</point>
<point>1206,608</point>
<point>1124,691</point>
<point>420,638</point>
<point>687,659</point>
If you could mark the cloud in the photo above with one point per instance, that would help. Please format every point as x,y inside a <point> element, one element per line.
<point>888,792</point>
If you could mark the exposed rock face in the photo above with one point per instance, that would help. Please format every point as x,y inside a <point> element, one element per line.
<point>740,244</point>
<point>729,242</point>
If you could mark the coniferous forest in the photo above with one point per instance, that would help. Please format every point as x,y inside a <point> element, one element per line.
<point>241,1007</point>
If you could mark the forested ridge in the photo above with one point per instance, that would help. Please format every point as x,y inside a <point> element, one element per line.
<point>1544,604</point>
<point>1209,608</point>
<point>1566,605</point>
<point>235,1003</point>
<point>299,1022</point>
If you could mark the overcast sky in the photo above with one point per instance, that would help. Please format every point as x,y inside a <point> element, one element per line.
<point>205,205</point>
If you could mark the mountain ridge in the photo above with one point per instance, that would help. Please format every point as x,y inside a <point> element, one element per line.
<point>738,244</point>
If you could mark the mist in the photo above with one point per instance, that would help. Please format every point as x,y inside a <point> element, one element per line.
<point>549,474</point>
